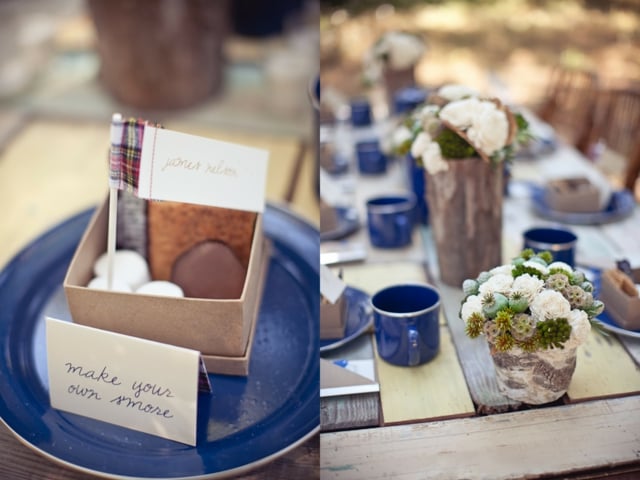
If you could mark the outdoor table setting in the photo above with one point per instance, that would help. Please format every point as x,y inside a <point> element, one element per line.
<point>450,405</point>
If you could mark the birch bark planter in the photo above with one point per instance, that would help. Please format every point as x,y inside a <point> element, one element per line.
<point>465,213</point>
<point>537,377</point>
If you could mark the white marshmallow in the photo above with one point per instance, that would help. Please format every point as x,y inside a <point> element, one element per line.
<point>100,283</point>
<point>129,267</point>
<point>161,287</point>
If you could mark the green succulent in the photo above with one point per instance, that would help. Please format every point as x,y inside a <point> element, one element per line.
<point>452,145</point>
<point>553,333</point>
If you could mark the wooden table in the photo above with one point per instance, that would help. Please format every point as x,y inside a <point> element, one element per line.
<point>447,419</point>
<point>52,168</point>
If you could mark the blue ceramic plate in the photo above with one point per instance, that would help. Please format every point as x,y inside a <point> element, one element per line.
<point>620,206</point>
<point>245,423</point>
<point>346,223</point>
<point>359,319</point>
<point>608,324</point>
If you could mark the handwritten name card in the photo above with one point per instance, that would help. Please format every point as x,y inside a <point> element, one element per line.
<point>135,383</point>
<point>186,168</point>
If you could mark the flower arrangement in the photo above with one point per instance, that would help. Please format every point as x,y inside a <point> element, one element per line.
<point>532,303</point>
<point>458,123</point>
<point>394,50</point>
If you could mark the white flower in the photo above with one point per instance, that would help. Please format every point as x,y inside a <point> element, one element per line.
<point>401,50</point>
<point>497,283</point>
<point>504,269</point>
<point>420,144</point>
<point>490,128</point>
<point>401,135</point>
<point>454,92</point>
<point>538,266</point>
<point>562,266</point>
<point>549,304</point>
<point>580,328</point>
<point>528,285</point>
<point>432,159</point>
<point>461,113</point>
<point>473,304</point>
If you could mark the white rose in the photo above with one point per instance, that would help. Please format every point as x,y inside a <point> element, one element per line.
<point>497,283</point>
<point>461,113</point>
<point>549,304</point>
<point>473,304</point>
<point>454,92</point>
<point>580,328</point>
<point>504,269</point>
<point>404,50</point>
<point>432,159</point>
<point>528,285</point>
<point>420,144</point>
<point>489,129</point>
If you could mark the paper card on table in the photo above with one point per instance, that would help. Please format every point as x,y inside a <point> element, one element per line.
<point>135,383</point>
<point>331,286</point>
<point>186,168</point>
<point>336,380</point>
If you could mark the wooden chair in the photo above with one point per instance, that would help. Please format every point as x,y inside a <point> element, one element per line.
<point>616,125</point>
<point>569,104</point>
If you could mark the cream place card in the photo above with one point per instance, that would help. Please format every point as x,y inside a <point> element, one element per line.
<point>135,383</point>
<point>186,168</point>
<point>331,285</point>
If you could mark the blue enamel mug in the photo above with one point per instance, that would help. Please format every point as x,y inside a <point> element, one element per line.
<point>371,159</point>
<point>559,242</point>
<point>390,220</point>
<point>406,319</point>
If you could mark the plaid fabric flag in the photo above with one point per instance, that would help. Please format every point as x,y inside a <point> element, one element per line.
<point>126,149</point>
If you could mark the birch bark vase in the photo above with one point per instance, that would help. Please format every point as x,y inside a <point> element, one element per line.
<point>537,377</point>
<point>465,214</point>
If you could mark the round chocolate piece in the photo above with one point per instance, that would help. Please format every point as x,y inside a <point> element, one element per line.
<point>209,270</point>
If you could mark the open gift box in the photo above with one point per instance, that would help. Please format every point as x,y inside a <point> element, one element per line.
<point>576,195</point>
<point>221,329</point>
<point>620,296</point>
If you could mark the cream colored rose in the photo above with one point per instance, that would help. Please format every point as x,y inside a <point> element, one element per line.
<point>473,304</point>
<point>500,282</point>
<point>461,113</point>
<point>580,328</point>
<point>489,129</point>
<point>402,50</point>
<point>549,304</point>
<point>527,285</point>
<point>454,92</point>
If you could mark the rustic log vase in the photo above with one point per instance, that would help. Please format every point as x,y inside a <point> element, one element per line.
<point>158,54</point>
<point>536,377</point>
<point>465,214</point>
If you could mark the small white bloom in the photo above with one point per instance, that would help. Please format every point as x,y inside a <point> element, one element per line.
<point>549,304</point>
<point>432,159</point>
<point>400,50</point>
<point>489,129</point>
<point>562,266</point>
<point>497,283</point>
<point>504,269</point>
<point>538,266</point>
<point>473,304</point>
<point>420,144</point>
<point>400,135</point>
<point>528,285</point>
<point>580,328</point>
<point>453,92</point>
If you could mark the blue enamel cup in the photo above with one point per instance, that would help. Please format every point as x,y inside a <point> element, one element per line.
<point>390,220</point>
<point>559,242</point>
<point>371,159</point>
<point>406,323</point>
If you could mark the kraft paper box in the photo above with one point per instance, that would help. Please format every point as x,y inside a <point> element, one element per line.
<point>620,298</point>
<point>222,330</point>
<point>576,195</point>
<point>332,318</point>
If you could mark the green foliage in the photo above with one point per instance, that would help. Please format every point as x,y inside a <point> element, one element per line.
<point>452,145</point>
